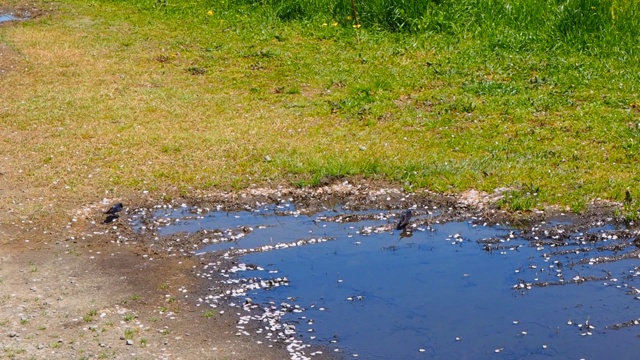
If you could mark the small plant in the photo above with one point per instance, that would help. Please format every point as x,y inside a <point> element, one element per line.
<point>90,315</point>
<point>106,355</point>
<point>143,342</point>
<point>24,321</point>
<point>208,314</point>
<point>129,333</point>
<point>33,267</point>
<point>56,345</point>
<point>164,286</point>
<point>129,317</point>
<point>135,297</point>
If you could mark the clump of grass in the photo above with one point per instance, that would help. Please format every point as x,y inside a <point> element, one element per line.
<point>129,333</point>
<point>90,315</point>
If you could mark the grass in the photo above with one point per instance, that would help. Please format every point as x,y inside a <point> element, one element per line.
<point>129,333</point>
<point>178,96</point>
<point>90,316</point>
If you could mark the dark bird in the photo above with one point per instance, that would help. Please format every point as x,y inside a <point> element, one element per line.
<point>110,218</point>
<point>404,220</point>
<point>627,197</point>
<point>114,209</point>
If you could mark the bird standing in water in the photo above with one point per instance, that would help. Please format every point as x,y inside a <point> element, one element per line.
<point>404,220</point>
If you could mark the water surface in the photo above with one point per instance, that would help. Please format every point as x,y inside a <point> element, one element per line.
<point>456,290</point>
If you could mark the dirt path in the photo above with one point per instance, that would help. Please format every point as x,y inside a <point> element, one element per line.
<point>92,298</point>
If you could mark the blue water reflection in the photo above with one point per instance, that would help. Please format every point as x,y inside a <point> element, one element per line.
<point>439,293</point>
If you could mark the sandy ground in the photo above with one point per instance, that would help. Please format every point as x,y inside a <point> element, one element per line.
<point>64,298</point>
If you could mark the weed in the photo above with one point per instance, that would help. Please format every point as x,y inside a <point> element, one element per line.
<point>129,317</point>
<point>208,314</point>
<point>90,315</point>
<point>129,333</point>
<point>106,355</point>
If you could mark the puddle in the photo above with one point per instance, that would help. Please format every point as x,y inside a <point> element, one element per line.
<point>7,17</point>
<point>349,282</point>
<point>24,15</point>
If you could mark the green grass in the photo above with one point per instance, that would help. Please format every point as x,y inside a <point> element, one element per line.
<point>445,95</point>
<point>90,316</point>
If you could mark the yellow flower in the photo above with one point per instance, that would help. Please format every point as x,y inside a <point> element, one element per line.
<point>357,26</point>
<point>210,12</point>
<point>324,24</point>
<point>348,17</point>
<point>334,24</point>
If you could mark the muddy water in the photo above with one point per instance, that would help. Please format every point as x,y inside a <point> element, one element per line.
<point>350,282</point>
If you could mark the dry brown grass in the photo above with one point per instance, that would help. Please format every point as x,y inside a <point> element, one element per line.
<point>84,120</point>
